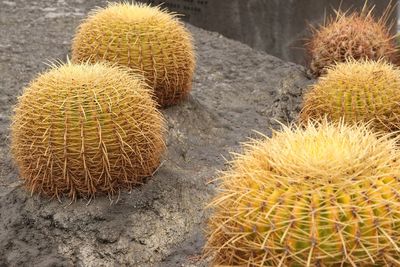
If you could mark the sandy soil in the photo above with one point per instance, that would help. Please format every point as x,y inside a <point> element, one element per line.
<point>236,90</point>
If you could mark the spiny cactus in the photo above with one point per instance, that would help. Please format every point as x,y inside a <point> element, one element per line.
<point>323,195</point>
<point>84,129</point>
<point>356,35</point>
<point>147,39</point>
<point>357,91</point>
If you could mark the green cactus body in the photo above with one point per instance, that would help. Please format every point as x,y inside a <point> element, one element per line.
<point>355,91</point>
<point>84,129</point>
<point>320,196</point>
<point>146,39</point>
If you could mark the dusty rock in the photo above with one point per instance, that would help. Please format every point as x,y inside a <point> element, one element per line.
<point>236,90</point>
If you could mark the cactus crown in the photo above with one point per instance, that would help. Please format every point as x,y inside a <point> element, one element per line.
<point>351,35</point>
<point>125,10</point>
<point>84,129</point>
<point>319,196</point>
<point>357,91</point>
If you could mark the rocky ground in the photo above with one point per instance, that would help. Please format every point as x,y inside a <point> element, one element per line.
<point>236,90</point>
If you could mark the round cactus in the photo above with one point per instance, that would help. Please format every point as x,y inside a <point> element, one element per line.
<point>147,39</point>
<point>84,129</point>
<point>323,195</point>
<point>356,35</point>
<point>356,91</point>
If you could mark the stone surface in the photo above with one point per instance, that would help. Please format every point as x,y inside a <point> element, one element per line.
<point>236,90</point>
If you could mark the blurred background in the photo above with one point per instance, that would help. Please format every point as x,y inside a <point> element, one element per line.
<point>278,27</point>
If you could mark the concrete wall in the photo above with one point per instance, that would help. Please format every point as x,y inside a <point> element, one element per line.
<point>275,26</point>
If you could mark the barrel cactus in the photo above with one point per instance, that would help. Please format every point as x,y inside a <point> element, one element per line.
<point>355,91</point>
<point>146,39</point>
<point>326,194</point>
<point>81,129</point>
<point>356,35</point>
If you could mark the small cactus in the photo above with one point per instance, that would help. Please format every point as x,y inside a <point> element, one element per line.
<point>146,39</point>
<point>356,35</point>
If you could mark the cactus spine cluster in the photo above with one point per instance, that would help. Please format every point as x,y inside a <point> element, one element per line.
<point>147,39</point>
<point>355,35</point>
<point>323,195</point>
<point>356,91</point>
<point>84,129</point>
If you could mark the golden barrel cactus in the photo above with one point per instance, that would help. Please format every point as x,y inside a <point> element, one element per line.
<point>147,39</point>
<point>84,129</point>
<point>323,195</point>
<point>356,35</point>
<point>355,91</point>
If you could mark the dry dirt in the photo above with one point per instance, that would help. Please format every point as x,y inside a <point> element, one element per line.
<point>236,90</point>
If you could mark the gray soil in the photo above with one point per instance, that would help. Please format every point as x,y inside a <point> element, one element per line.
<point>236,90</point>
